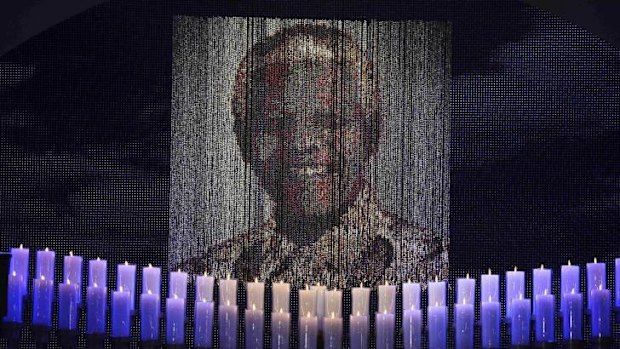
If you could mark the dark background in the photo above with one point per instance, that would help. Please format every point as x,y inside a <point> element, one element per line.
<point>535,126</point>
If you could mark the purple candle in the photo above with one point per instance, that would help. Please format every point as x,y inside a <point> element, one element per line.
<point>411,295</point>
<point>572,317</point>
<point>203,327</point>
<point>253,328</point>
<point>332,328</point>
<point>175,320</point>
<point>72,273</point>
<point>15,300</point>
<point>545,318</point>
<point>121,313</point>
<point>204,288</point>
<point>149,317</point>
<point>437,293</point>
<point>308,331</point>
<point>19,265</point>
<point>520,322</point>
<point>96,309</point>
<point>489,287</point>
<point>178,284</point>
<point>464,325</point>
<point>515,288</point>
<point>97,272</point>
<point>596,278</point>
<point>227,325</point>
<point>437,326</point>
<point>151,280</point>
<point>600,300</point>
<point>617,279</point>
<point>68,306</point>
<point>542,284</point>
<point>569,282</point>
<point>385,326</point>
<point>42,293</point>
<point>126,279</point>
<point>45,264</point>
<point>280,329</point>
<point>465,290</point>
<point>489,323</point>
<point>412,328</point>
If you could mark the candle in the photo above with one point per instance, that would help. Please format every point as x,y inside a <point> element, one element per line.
<point>280,293</point>
<point>97,272</point>
<point>411,295</point>
<point>68,306</point>
<point>72,273</point>
<point>520,321</point>
<point>96,309</point>
<point>489,323</point>
<point>464,325</point>
<point>227,324</point>
<point>126,279</point>
<point>175,320</point>
<point>256,295</point>
<point>600,300</point>
<point>19,265</point>
<point>545,318</point>
<point>437,293</point>
<point>333,303</point>
<point>228,291</point>
<point>596,279</point>
<point>15,298</point>
<point>308,330</point>
<point>45,264</point>
<point>360,300</point>
<point>204,288</point>
<point>151,280</point>
<point>358,331</point>
<point>280,328</point>
<point>121,313</point>
<point>617,279</point>
<point>254,328</point>
<point>149,316</point>
<point>572,316</point>
<point>387,298</point>
<point>489,287</point>
<point>203,327</point>
<point>465,290</point>
<point>542,284</point>
<point>42,293</point>
<point>569,281</point>
<point>385,325</point>
<point>332,328</point>
<point>177,285</point>
<point>307,302</point>
<point>320,302</point>
<point>412,327</point>
<point>515,286</point>
<point>437,326</point>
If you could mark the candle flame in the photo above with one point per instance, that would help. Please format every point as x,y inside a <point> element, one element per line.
<point>384,311</point>
<point>71,253</point>
<point>149,291</point>
<point>307,287</point>
<point>546,291</point>
<point>361,284</point>
<point>520,295</point>
<point>436,278</point>
<point>333,315</point>
<point>569,262</point>
<point>175,296</point>
<point>572,291</point>
<point>436,303</point>
<point>409,280</point>
<point>253,306</point>
<point>47,250</point>
<point>281,281</point>
<point>309,315</point>
<point>150,265</point>
<point>318,283</point>
<point>228,302</point>
<point>204,300</point>
<point>95,284</point>
<point>68,282</point>
<point>227,276</point>
<point>255,279</point>
<point>205,273</point>
<point>490,298</point>
<point>358,313</point>
<point>280,310</point>
<point>43,277</point>
<point>600,287</point>
<point>126,263</point>
<point>595,261</point>
<point>467,276</point>
<point>21,246</point>
<point>14,273</point>
<point>489,271</point>
<point>386,283</point>
<point>412,306</point>
<point>179,270</point>
<point>98,258</point>
<point>542,266</point>
<point>515,268</point>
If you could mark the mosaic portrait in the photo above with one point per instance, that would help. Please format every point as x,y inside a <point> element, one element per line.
<point>310,151</point>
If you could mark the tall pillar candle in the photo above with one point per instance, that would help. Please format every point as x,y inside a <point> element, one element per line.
<point>19,265</point>
<point>617,283</point>
<point>489,287</point>
<point>68,306</point>
<point>254,328</point>
<point>437,293</point>
<point>412,327</point>
<point>569,282</point>
<point>489,324</point>
<point>45,264</point>
<point>358,331</point>
<point>177,285</point>
<point>387,298</point>
<point>541,284</point>
<point>175,321</point>
<point>320,303</point>
<point>515,288</point>
<point>280,295</point>
<point>227,322</point>
<point>121,314</point>
<point>42,293</point>
<point>126,279</point>
<point>572,316</point>
<point>333,303</point>
<point>98,272</point>
<point>228,291</point>
<point>307,302</point>
<point>385,326</point>
<point>150,310</point>
<point>308,330</point>
<point>520,322</point>
<point>411,295</point>
<point>255,295</point>
<point>15,299</point>
<point>151,280</point>
<point>332,331</point>
<point>596,278</point>
<point>600,300</point>
<point>280,329</point>
<point>465,290</point>
<point>360,300</point>
<point>72,273</point>
<point>464,325</point>
<point>203,328</point>
<point>437,325</point>
<point>204,288</point>
<point>545,318</point>
<point>96,309</point>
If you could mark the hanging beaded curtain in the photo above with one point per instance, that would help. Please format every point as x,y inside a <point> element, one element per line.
<point>310,151</point>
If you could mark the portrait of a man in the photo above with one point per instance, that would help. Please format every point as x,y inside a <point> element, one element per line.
<point>307,121</point>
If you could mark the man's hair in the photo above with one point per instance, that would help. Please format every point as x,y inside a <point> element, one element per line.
<point>301,44</point>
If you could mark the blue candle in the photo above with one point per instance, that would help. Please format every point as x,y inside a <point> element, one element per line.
<point>601,313</point>
<point>151,280</point>
<point>175,320</point>
<point>596,278</point>
<point>572,316</point>
<point>19,265</point>
<point>203,327</point>
<point>385,326</point>
<point>489,321</point>
<point>68,306</point>
<point>15,299</point>
<point>569,282</point>
<point>149,317</point>
<point>411,295</point>
<point>437,293</point>
<point>437,326</point>
<point>542,284</point>
<point>489,287</point>
<point>204,288</point>
<point>72,273</point>
<point>253,328</point>
<point>121,314</point>
<point>515,286</point>
<point>96,309</point>
<point>617,279</point>
<point>520,322</point>
<point>465,290</point>
<point>280,329</point>
<point>227,326</point>
<point>126,279</point>
<point>412,328</point>
<point>545,318</point>
<point>308,331</point>
<point>178,284</point>
<point>464,325</point>
<point>42,293</point>
<point>45,264</point>
<point>97,272</point>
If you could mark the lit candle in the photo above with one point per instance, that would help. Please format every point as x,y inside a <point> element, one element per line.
<point>204,287</point>
<point>333,303</point>
<point>617,283</point>
<point>228,291</point>
<point>515,286</point>
<point>387,298</point>
<point>256,295</point>
<point>542,284</point>
<point>411,295</point>
<point>149,316</point>
<point>254,327</point>
<point>412,327</point>
<point>280,293</point>
<point>437,325</point>
<point>596,278</point>
<point>121,313</point>
<point>280,329</point>
<point>42,293</point>
<point>227,322</point>
<point>45,264</point>
<point>308,330</point>
<point>569,282</point>
<point>320,302</point>
<point>520,321</point>
<point>203,327</point>
<point>307,301</point>
<point>19,265</point>
<point>489,287</point>
<point>360,300</point>
<point>15,299</point>
<point>572,316</point>
<point>151,280</point>
<point>177,285</point>
<point>437,293</point>
<point>68,306</point>
<point>489,323</point>
<point>332,328</point>
<point>358,332</point>
<point>600,300</point>
<point>464,325</point>
<point>385,326</point>
<point>97,272</point>
<point>126,278</point>
<point>545,318</point>
<point>72,273</point>
<point>96,309</point>
<point>465,290</point>
<point>175,320</point>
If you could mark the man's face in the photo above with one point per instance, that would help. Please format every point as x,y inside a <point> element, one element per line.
<point>307,136</point>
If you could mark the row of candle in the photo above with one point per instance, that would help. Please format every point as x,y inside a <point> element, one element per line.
<point>319,308</point>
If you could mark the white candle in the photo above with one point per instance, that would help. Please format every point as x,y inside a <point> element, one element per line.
<point>489,287</point>
<point>387,298</point>
<point>464,325</point>
<point>320,302</point>
<point>280,329</point>
<point>308,330</point>
<point>97,272</point>
<point>437,293</point>
<point>360,299</point>
<point>280,294</point>
<point>228,291</point>
<point>126,279</point>
<point>307,302</point>
<point>178,284</point>
<point>465,290</point>
<point>256,295</point>
<point>437,326</point>
<point>515,288</point>
<point>411,295</point>
<point>333,303</point>
<point>204,288</point>
<point>151,280</point>
<point>332,328</point>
